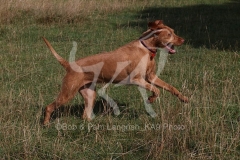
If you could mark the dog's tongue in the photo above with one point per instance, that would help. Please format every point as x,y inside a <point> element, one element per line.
<point>170,49</point>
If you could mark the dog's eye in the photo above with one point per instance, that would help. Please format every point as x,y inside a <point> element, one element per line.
<point>169,35</point>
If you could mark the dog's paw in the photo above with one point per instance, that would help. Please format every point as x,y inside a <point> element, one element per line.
<point>46,124</point>
<point>185,99</point>
<point>151,99</point>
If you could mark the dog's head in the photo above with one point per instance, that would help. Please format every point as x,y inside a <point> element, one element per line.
<point>164,36</point>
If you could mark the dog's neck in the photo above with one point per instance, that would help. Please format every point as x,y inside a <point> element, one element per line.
<point>153,50</point>
<point>151,44</point>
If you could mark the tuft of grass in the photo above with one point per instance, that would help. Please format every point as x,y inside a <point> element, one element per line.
<point>207,72</point>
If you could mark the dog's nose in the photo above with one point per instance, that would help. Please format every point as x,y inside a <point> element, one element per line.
<point>182,40</point>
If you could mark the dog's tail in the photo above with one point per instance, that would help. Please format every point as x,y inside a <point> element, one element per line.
<point>61,60</point>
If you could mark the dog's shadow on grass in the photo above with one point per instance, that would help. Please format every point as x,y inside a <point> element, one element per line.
<point>101,107</point>
<point>205,25</point>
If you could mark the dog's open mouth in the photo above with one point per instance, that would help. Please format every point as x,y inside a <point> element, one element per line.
<point>170,48</point>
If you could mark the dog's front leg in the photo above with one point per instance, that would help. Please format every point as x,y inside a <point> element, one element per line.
<point>142,83</point>
<point>158,82</point>
<point>148,106</point>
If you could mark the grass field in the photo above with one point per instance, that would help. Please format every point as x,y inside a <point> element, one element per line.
<point>206,69</point>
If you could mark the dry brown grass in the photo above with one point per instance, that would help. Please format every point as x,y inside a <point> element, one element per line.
<point>61,10</point>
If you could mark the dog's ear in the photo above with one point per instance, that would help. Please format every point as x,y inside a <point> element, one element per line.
<point>155,25</point>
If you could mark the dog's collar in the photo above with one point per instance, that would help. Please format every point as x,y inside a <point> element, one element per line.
<point>153,51</point>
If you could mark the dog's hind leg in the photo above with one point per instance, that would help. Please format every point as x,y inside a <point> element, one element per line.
<point>68,91</point>
<point>110,101</point>
<point>89,96</point>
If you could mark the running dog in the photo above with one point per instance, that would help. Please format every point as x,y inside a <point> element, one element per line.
<point>132,63</point>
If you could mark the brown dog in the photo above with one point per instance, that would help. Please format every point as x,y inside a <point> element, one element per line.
<point>132,63</point>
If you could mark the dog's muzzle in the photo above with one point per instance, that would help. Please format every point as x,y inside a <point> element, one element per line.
<point>170,48</point>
